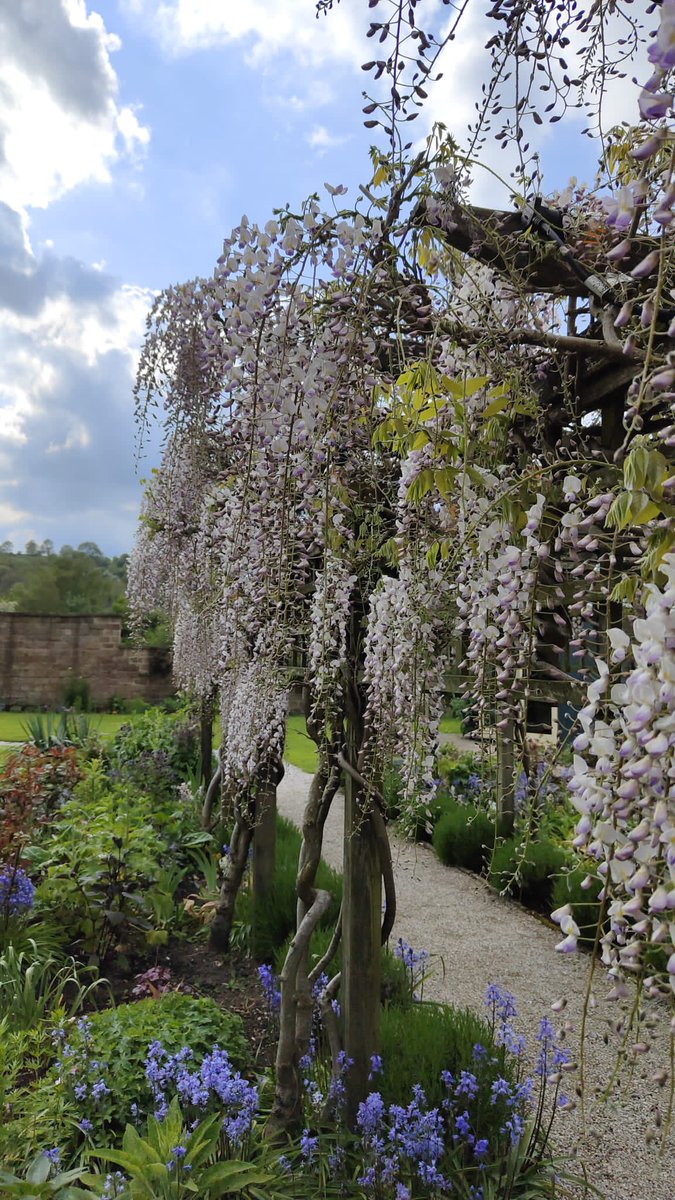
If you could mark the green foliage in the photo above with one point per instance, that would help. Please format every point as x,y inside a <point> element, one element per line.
<point>112,1046</point>
<point>77,693</point>
<point>465,776</point>
<point>272,920</point>
<point>41,1179</point>
<point>146,1161</point>
<point>158,746</point>
<point>419,1042</point>
<point>464,836</point>
<point>47,730</point>
<point>586,906</point>
<point>119,876</point>
<point>527,869</point>
<point>72,581</point>
<point>32,987</point>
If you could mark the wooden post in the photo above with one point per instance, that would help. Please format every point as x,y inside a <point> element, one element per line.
<point>360,940</point>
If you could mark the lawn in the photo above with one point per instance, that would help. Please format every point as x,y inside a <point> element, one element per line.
<point>12,724</point>
<point>301,751</point>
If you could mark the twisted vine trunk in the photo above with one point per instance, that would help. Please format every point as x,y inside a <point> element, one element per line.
<point>295,1016</point>
<point>255,821</point>
<point>223,916</point>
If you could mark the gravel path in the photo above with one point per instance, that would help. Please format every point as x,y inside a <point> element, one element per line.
<point>477,937</point>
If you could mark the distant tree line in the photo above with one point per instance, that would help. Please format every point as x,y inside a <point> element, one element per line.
<point>73,580</point>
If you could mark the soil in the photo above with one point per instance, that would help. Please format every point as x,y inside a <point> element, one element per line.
<point>231,980</point>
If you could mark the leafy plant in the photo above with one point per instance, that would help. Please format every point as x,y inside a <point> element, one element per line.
<point>77,693</point>
<point>273,920</point>
<point>40,1180</point>
<point>173,1162</point>
<point>422,1041</point>
<point>527,869</point>
<point>33,783</point>
<point>32,987</point>
<point>158,746</point>
<point>121,878</point>
<point>120,1038</point>
<point>464,837</point>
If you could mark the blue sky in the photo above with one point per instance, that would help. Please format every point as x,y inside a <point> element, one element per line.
<point>133,135</point>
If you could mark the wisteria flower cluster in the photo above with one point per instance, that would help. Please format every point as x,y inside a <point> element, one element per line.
<point>622,785</point>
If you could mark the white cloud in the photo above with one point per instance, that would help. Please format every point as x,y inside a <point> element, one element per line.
<point>320,138</point>
<point>61,123</point>
<point>266,27</point>
<point>69,341</point>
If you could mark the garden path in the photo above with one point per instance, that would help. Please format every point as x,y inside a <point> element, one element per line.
<point>476,937</point>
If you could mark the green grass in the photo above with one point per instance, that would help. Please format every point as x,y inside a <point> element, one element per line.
<point>300,750</point>
<point>12,724</point>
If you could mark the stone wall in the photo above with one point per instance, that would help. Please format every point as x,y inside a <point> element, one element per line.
<point>39,654</point>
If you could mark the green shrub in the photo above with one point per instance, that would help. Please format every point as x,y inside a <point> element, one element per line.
<point>100,887</point>
<point>111,1046</point>
<point>158,751</point>
<point>527,870</point>
<point>464,836</point>
<point>585,904</point>
<point>76,692</point>
<point>420,1042</point>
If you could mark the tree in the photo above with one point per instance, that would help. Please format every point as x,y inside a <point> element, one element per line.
<point>372,439</point>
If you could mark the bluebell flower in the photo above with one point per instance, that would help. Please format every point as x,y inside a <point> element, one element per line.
<point>467,1085</point>
<point>17,894</point>
<point>370,1113</point>
<point>271,988</point>
<point>308,1146</point>
<point>54,1155</point>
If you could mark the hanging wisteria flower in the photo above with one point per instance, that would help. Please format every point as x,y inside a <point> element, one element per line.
<point>622,781</point>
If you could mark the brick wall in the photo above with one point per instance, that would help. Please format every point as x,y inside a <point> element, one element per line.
<point>38,654</point>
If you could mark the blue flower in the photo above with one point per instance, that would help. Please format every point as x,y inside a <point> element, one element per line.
<point>17,894</point>
<point>54,1155</point>
<point>270,987</point>
<point>308,1146</point>
<point>370,1113</point>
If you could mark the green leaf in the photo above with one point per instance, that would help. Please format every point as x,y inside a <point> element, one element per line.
<point>657,469</point>
<point>643,509</point>
<point>497,406</point>
<point>224,1177</point>
<point>157,937</point>
<point>619,515</point>
<point>421,486</point>
<point>625,589</point>
<point>38,1171</point>
<point>635,467</point>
